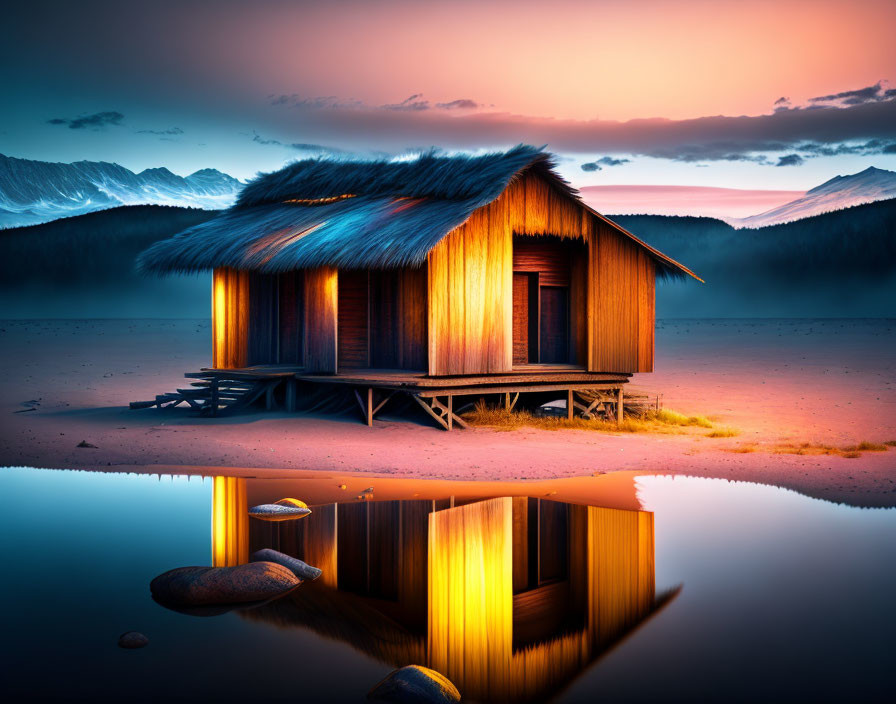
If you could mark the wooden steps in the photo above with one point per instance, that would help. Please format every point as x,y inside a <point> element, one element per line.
<point>215,393</point>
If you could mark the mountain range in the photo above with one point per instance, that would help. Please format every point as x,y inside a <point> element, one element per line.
<point>33,192</point>
<point>840,192</point>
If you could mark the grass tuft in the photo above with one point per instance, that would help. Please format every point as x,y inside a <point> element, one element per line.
<point>723,433</point>
<point>742,449</point>
<point>890,443</point>
<point>669,417</point>
<point>866,446</point>
<point>651,421</point>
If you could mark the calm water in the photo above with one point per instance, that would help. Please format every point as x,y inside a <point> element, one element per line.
<point>715,591</point>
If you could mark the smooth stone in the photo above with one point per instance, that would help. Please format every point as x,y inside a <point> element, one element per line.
<point>300,569</point>
<point>132,640</point>
<point>203,586</point>
<point>283,510</point>
<point>415,685</point>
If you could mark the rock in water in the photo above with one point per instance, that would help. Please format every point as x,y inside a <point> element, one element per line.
<point>300,569</point>
<point>203,586</point>
<point>282,510</point>
<point>415,685</point>
<point>132,640</point>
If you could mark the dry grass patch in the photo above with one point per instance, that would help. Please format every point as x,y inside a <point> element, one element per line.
<point>723,433</point>
<point>890,443</point>
<point>663,421</point>
<point>866,446</point>
<point>742,449</point>
<point>848,451</point>
<point>668,417</point>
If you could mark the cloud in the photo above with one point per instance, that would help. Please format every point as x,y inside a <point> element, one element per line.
<point>298,146</point>
<point>747,138</point>
<point>789,160</point>
<point>460,104</point>
<point>169,132</point>
<point>96,121</point>
<point>414,102</point>
<point>868,94</point>
<point>598,164</point>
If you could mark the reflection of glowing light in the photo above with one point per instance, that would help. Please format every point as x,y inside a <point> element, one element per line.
<point>495,639</point>
<point>230,522</point>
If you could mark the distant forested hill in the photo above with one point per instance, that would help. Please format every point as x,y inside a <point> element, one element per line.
<point>837,264</point>
<point>83,266</point>
<point>840,264</point>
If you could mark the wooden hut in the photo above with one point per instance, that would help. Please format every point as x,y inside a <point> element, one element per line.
<point>441,276</point>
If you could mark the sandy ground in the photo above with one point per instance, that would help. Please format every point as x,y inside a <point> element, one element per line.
<point>830,382</point>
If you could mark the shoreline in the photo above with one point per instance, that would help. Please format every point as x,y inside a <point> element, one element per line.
<point>781,382</point>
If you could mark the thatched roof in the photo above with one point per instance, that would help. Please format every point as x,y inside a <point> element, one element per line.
<point>355,214</point>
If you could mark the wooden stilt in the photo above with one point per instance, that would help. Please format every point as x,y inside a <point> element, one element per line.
<point>619,410</point>
<point>370,406</point>
<point>290,395</point>
<point>570,405</point>
<point>450,412</point>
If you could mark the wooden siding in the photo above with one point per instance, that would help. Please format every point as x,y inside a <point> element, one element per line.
<point>456,315</point>
<point>354,352</point>
<point>471,296</point>
<point>621,305</point>
<point>398,319</point>
<point>321,310</point>
<point>550,257</point>
<point>291,318</point>
<point>611,281</point>
<point>230,318</point>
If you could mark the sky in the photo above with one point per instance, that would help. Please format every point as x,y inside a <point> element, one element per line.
<point>748,94</point>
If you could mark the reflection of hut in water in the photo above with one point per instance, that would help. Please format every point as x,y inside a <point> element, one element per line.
<point>510,597</point>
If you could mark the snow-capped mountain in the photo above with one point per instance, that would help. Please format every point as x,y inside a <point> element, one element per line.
<point>840,192</point>
<point>32,192</point>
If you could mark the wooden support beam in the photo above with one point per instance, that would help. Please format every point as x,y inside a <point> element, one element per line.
<point>360,403</point>
<point>619,407</point>
<point>425,406</point>
<point>570,405</point>
<point>369,406</point>
<point>214,399</point>
<point>291,395</point>
<point>516,397</point>
<point>450,412</point>
<point>383,402</point>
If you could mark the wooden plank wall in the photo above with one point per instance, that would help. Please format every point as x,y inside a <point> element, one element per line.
<point>621,306</point>
<point>470,630</point>
<point>230,318</point>
<point>291,318</point>
<point>263,323</point>
<point>321,315</point>
<point>353,339</point>
<point>621,586</point>
<point>398,321</point>
<point>471,277</point>
<point>470,296</point>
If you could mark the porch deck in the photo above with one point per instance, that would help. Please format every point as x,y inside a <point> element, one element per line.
<point>218,390</point>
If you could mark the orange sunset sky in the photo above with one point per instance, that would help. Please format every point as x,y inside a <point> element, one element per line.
<point>754,94</point>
